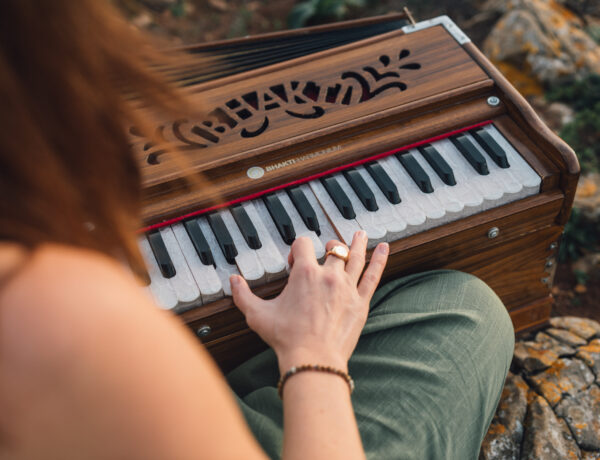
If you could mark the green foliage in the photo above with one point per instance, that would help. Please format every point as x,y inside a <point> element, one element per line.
<point>581,277</point>
<point>178,9</point>
<point>318,11</point>
<point>583,133</point>
<point>580,235</point>
<point>594,32</point>
<point>579,94</point>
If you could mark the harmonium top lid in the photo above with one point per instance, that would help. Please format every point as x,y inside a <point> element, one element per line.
<point>278,105</point>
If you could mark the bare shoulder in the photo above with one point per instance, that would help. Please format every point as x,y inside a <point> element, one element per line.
<point>87,356</point>
<point>64,294</point>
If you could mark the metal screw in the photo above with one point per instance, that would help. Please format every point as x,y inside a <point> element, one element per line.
<point>546,280</point>
<point>493,232</point>
<point>549,263</point>
<point>203,331</point>
<point>553,246</point>
<point>493,101</point>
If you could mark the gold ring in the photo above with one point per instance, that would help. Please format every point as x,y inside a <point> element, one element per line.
<point>341,252</point>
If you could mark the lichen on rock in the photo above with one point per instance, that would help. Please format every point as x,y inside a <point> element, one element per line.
<point>547,436</point>
<point>544,39</point>
<point>582,414</point>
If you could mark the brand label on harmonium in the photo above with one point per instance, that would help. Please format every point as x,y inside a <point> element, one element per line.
<point>308,156</point>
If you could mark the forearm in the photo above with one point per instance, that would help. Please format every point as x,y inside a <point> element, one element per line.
<point>319,421</point>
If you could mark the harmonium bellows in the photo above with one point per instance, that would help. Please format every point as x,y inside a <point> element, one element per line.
<point>402,129</point>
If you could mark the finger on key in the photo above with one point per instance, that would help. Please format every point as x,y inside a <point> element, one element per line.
<point>302,250</point>
<point>372,276</point>
<point>332,260</point>
<point>356,260</point>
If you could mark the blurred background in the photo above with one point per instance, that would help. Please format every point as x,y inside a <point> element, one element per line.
<point>549,49</point>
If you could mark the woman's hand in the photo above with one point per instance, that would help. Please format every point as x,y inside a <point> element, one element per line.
<point>318,317</point>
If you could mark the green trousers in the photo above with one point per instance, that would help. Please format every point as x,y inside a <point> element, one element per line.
<point>429,370</point>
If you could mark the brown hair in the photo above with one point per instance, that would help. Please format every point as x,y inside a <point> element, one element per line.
<point>65,161</point>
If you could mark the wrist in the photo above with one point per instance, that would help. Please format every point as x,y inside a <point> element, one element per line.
<point>300,356</point>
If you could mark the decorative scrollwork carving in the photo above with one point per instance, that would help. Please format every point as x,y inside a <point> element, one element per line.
<point>250,113</point>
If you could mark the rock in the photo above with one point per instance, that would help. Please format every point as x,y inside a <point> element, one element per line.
<point>542,39</point>
<point>561,112</point>
<point>550,343</point>
<point>566,337</point>
<point>532,357</point>
<point>590,455</point>
<point>142,20</point>
<point>505,435</point>
<point>590,354</point>
<point>547,436</point>
<point>582,414</point>
<point>565,376</point>
<point>219,5</point>
<point>582,7</point>
<point>585,328</point>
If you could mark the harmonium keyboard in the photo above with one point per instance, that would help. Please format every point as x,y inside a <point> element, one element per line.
<point>402,129</point>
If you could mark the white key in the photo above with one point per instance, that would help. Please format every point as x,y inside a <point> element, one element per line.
<point>386,215</point>
<point>469,196</point>
<point>441,191</point>
<point>205,276</point>
<point>367,220</point>
<point>430,205</point>
<point>162,291</point>
<point>265,217</point>
<point>490,191</point>
<point>298,223</point>
<point>246,260</point>
<point>518,166</point>
<point>327,231</point>
<point>413,215</point>
<point>183,282</point>
<point>269,255</point>
<point>466,192</point>
<point>223,268</point>
<point>504,177</point>
<point>345,228</point>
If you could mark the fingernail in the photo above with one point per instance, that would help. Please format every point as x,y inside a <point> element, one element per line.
<point>384,248</point>
<point>362,234</point>
<point>234,280</point>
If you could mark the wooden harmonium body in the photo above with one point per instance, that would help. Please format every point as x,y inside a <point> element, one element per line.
<point>406,131</point>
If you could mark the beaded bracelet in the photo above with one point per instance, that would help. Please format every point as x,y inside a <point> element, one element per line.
<point>313,367</point>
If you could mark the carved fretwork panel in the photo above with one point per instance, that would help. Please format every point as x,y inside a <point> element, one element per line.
<point>297,100</point>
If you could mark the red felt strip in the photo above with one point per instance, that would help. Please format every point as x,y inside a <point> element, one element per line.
<point>309,178</point>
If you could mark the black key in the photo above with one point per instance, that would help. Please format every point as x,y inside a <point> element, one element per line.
<point>338,196</point>
<point>246,226</point>
<point>491,147</point>
<point>199,241</point>
<point>361,189</point>
<point>470,152</point>
<point>439,165</point>
<point>160,253</point>
<point>309,217</point>
<point>281,218</point>
<point>415,171</point>
<point>384,182</point>
<point>223,237</point>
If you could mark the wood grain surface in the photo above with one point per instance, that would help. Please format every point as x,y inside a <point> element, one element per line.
<point>446,88</point>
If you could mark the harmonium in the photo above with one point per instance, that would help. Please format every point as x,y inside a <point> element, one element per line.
<point>399,128</point>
